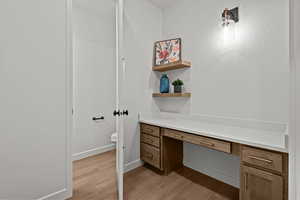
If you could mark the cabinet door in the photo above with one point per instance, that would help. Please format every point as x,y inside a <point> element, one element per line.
<point>260,185</point>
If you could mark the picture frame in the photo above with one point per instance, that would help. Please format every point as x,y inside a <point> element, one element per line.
<point>167,52</point>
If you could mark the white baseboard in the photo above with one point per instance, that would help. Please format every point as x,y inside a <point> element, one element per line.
<point>59,195</point>
<point>133,165</point>
<point>92,152</point>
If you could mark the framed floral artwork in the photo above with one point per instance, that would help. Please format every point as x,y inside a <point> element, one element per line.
<point>167,52</point>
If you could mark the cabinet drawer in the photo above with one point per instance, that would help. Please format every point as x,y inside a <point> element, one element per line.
<point>148,139</point>
<point>199,140</point>
<point>262,158</point>
<point>150,155</point>
<point>178,135</point>
<point>150,130</point>
<point>208,142</point>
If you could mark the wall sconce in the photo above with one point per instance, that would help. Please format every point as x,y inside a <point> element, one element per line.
<point>229,16</point>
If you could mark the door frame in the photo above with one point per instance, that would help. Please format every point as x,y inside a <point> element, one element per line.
<point>293,105</point>
<point>119,19</point>
<point>294,153</point>
<point>69,93</point>
<point>69,97</point>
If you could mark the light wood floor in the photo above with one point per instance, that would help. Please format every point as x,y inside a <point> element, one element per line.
<point>95,179</point>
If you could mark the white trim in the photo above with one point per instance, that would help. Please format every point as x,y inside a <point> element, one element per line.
<point>133,165</point>
<point>61,194</point>
<point>92,152</point>
<point>293,107</point>
<point>68,191</point>
<point>120,75</point>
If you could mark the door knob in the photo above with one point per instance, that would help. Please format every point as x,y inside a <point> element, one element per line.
<point>117,112</point>
<point>125,112</point>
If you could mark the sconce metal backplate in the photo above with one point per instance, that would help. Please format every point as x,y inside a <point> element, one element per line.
<point>235,14</point>
<point>232,13</point>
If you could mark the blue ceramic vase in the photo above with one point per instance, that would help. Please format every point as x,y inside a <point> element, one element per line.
<point>164,84</point>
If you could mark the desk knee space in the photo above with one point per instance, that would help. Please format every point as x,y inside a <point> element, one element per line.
<point>172,154</point>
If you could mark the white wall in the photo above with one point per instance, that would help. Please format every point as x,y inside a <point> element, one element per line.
<point>295,107</point>
<point>142,28</point>
<point>34,101</point>
<point>94,76</point>
<point>240,72</point>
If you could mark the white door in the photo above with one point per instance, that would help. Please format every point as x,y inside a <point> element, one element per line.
<point>35,100</point>
<point>120,73</point>
<point>94,76</point>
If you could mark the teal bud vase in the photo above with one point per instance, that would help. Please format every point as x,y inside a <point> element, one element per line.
<point>164,84</point>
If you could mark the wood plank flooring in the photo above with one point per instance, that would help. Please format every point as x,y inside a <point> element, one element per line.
<point>184,184</point>
<point>95,179</point>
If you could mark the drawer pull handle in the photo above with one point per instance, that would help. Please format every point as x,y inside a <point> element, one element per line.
<point>261,159</point>
<point>206,143</point>
<point>150,141</point>
<point>246,182</point>
<point>149,155</point>
<point>148,130</point>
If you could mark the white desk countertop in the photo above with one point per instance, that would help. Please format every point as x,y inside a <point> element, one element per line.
<point>267,139</point>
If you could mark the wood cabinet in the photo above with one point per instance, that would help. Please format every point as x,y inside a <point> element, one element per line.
<point>151,148</point>
<point>151,140</point>
<point>264,173</point>
<point>260,185</point>
<point>262,158</point>
<point>150,130</point>
<point>218,145</point>
<point>150,154</point>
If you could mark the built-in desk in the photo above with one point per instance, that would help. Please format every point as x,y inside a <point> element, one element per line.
<point>264,166</point>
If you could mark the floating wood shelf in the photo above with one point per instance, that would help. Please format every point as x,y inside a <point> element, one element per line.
<point>172,66</point>
<point>171,94</point>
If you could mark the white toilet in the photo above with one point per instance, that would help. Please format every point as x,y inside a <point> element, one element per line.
<point>114,137</point>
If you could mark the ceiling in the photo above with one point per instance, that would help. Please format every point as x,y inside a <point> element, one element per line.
<point>162,3</point>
